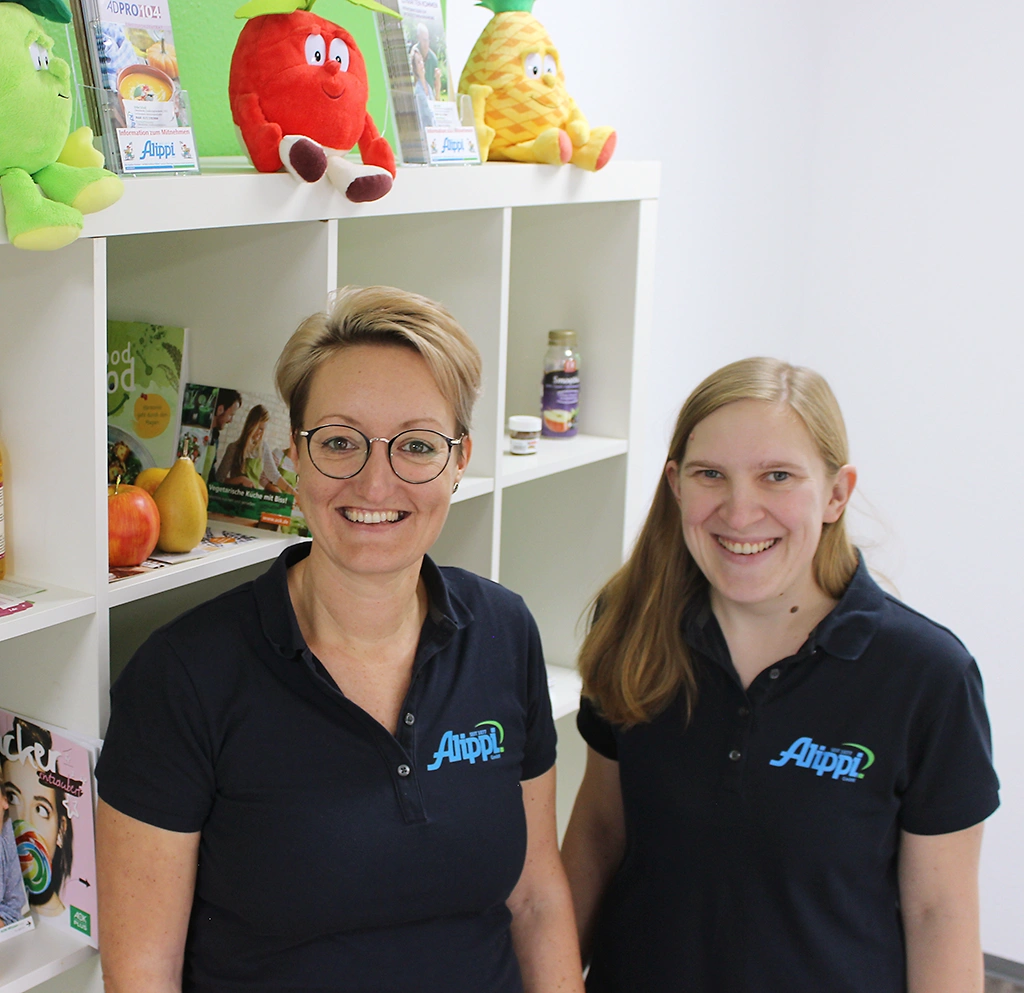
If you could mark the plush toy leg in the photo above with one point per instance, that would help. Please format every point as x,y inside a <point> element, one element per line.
<point>360,183</point>
<point>87,190</point>
<point>551,147</point>
<point>33,222</point>
<point>478,93</point>
<point>302,157</point>
<point>595,153</point>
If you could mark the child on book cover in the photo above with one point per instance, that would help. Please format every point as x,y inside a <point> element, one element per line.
<point>40,813</point>
<point>13,901</point>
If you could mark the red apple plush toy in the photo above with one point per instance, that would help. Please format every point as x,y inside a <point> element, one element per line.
<point>298,93</point>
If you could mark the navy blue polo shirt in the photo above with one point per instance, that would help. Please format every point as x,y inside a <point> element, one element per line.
<point>762,837</point>
<point>335,856</point>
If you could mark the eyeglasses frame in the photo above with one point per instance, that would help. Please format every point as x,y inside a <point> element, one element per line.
<point>308,434</point>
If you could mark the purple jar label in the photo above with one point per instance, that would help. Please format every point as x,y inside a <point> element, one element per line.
<point>560,403</point>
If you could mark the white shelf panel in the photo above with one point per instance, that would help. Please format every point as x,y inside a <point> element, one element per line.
<point>564,685</point>
<point>231,194</point>
<point>473,486</point>
<point>267,546</point>
<point>557,455</point>
<point>53,606</point>
<point>26,960</point>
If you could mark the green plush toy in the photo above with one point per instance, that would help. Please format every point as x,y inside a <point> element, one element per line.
<point>37,156</point>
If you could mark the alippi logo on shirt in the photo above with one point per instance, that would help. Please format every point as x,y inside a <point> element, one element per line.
<point>483,743</point>
<point>841,761</point>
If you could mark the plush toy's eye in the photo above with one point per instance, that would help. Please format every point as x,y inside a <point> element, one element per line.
<point>339,52</point>
<point>550,65</point>
<point>40,56</point>
<point>533,65</point>
<point>316,50</point>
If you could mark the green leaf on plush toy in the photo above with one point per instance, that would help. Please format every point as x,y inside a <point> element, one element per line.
<point>504,6</point>
<point>257,8</point>
<point>52,10</point>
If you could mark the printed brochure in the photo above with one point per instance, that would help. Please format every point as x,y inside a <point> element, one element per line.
<point>145,364</point>
<point>134,90</point>
<point>415,55</point>
<point>239,441</point>
<point>48,782</point>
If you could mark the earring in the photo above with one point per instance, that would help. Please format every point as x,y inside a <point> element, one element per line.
<point>455,487</point>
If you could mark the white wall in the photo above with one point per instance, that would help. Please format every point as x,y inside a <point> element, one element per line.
<point>843,187</point>
<point>915,313</point>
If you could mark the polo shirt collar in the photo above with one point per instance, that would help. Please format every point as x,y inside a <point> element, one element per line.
<point>845,632</point>
<point>281,627</point>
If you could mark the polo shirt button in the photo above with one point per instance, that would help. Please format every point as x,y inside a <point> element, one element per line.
<point>735,755</point>
<point>743,711</point>
<point>410,718</point>
<point>404,770</point>
<point>774,674</point>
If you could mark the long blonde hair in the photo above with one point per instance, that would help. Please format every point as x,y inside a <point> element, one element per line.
<point>634,661</point>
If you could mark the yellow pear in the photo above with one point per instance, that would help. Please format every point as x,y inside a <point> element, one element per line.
<point>150,480</point>
<point>182,508</point>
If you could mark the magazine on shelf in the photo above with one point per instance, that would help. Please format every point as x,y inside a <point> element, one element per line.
<point>146,370</point>
<point>423,100</point>
<point>216,539</point>
<point>133,91</point>
<point>47,775</point>
<point>16,597</point>
<point>239,441</point>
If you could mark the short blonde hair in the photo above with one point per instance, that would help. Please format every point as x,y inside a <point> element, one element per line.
<point>382,315</point>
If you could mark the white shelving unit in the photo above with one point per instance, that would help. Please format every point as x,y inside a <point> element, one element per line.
<point>241,258</point>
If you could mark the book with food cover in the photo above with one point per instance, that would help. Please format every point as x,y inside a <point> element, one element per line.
<point>47,776</point>
<point>146,367</point>
<point>133,89</point>
<point>239,441</point>
<point>415,56</point>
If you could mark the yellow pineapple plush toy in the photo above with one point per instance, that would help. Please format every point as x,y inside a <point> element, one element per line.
<point>521,108</point>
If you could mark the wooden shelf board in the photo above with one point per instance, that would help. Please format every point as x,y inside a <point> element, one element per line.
<point>53,606</point>
<point>267,546</point>
<point>564,685</point>
<point>557,455</point>
<point>230,193</point>
<point>473,486</point>
<point>26,960</point>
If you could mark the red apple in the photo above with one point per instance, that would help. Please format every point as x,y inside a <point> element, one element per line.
<point>133,524</point>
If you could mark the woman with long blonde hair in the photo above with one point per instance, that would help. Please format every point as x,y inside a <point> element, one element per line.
<point>787,768</point>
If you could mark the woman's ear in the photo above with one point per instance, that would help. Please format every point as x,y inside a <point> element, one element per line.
<point>672,475</point>
<point>842,489</point>
<point>465,451</point>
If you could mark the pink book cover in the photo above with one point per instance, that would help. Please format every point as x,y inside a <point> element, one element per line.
<point>48,782</point>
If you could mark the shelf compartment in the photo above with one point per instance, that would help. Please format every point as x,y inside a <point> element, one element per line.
<point>53,605</point>
<point>26,960</point>
<point>557,455</point>
<point>564,685</point>
<point>266,546</point>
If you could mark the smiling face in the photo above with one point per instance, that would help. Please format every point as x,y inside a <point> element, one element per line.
<point>381,390</point>
<point>307,75</point>
<point>754,492</point>
<point>36,108</point>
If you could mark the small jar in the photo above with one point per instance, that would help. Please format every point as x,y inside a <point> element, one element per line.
<point>523,432</point>
<point>560,393</point>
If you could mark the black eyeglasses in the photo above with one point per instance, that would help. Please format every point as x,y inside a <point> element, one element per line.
<point>416,456</point>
